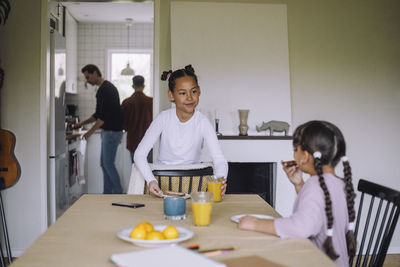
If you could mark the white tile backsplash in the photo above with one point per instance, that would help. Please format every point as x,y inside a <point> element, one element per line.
<point>94,39</point>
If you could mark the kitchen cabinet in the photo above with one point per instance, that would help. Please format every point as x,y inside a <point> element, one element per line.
<point>71,36</point>
<point>94,172</point>
<point>56,15</point>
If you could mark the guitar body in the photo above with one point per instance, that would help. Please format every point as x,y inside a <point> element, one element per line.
<point>10,170</point>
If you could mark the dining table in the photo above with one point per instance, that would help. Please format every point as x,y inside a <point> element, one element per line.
<point>86,234</point>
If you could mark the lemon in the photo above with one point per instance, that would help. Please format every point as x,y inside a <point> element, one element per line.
<point>138,233</point>
<point>170,232</point>
<point>155,235</point>
<point>148,227</point>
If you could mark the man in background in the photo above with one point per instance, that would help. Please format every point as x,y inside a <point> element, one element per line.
<point>138,114</point>
<point>108,117</point>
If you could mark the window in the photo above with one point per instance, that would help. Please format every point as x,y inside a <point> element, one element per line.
<point>140,61</point>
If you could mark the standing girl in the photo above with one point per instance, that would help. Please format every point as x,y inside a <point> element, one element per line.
<point>183,130</point>
<point>324,207</point>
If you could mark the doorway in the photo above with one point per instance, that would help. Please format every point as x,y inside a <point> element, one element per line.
<point>96,30</point>
<point>102,39</point>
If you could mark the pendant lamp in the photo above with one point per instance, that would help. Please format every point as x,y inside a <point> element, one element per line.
<point>128,71</point>
<point>60,71</point>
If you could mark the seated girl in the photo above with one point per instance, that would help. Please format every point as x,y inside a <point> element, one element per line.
<point>183,130</point>
<point>324,207</point>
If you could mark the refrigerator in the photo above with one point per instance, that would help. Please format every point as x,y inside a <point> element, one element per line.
<point>57,190</point>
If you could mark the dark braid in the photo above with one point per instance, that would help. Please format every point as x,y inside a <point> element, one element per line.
<point>350,196</point>
<point>172,76</point>
<point>328,245</point>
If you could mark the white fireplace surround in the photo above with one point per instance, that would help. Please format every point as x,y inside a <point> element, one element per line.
<point>263,151</point>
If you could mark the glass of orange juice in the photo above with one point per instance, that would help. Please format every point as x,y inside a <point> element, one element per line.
<point>214,185</point>
<point>201,207</point>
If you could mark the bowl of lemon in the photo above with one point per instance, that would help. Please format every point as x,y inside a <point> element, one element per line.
<point>146,234</point>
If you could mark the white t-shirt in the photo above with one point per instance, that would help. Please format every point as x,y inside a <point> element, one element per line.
<point>181,143</point>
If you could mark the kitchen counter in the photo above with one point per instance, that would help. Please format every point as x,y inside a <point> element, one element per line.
<point>123,163</point>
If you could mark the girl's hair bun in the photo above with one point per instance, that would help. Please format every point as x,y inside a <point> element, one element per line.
<point>189,68</point>
<point>165,75</point>
<point>172,76</point>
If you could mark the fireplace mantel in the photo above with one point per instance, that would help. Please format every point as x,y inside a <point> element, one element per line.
<point>255,137</point>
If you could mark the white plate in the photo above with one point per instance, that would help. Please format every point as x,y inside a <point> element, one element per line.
<point>184,234</point>
<point>236,218</point>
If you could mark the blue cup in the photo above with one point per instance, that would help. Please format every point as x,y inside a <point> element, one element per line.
<point>174,208</point>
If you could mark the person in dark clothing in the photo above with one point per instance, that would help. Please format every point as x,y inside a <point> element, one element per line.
<point>138,114</point>
<point>108,117</point>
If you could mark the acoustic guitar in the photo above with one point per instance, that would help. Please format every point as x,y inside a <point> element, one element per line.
<point>10,170</point>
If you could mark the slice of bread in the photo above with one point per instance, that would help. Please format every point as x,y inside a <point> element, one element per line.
<point>174,194</point>
<point>289,163</point>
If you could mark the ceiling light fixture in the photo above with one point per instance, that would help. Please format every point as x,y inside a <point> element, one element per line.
<point>128,71</point>
<point>60,70</point>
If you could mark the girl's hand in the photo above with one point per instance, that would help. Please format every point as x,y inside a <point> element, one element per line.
<point>154,189</point>
<point>248,223</point>
<point>223,187</point>
<point>251,223</point>
<point>295,176</point>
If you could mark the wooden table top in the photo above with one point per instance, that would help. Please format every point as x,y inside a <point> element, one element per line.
<point>86,234</point>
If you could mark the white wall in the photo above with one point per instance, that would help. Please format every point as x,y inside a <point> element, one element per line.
<point>349,75</point>
<point>237,67</point>
<point>23,111</point>
<point>344,67</point>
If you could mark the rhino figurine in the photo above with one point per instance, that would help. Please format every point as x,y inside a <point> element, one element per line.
<point>274,126</point>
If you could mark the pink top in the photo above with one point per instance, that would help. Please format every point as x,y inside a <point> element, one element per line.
<point>309,220</point>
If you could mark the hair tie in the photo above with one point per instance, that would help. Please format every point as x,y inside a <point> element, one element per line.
<point>329,232</point>
<point>350,227</point>
<point>168,75</point>
<point>345,159</point>
<point>317,155</point>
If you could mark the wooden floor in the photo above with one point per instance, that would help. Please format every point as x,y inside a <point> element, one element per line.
<point>392,260</point>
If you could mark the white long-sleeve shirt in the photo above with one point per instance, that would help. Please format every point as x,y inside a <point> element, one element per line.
<point>181,143</point>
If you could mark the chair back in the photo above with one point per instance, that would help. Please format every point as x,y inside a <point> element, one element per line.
<point>185,180</point>
<point>382,214</point>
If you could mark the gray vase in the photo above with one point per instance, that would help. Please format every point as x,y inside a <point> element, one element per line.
<point>243,128</point>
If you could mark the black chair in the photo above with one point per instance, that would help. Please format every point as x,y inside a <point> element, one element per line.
<point>184,181</point>
<point>383,215</point>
